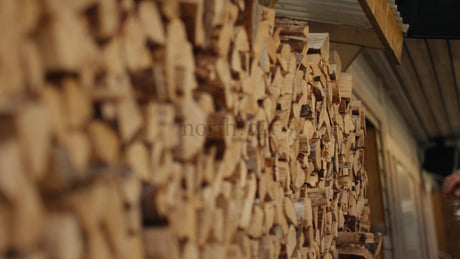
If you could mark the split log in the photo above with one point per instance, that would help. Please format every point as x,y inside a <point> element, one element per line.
<point>176,129</point>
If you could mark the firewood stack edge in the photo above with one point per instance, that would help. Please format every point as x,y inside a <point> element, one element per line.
<point>176,129</point>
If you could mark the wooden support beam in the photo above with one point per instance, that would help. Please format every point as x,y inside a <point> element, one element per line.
<point>380,15</point>
<point>348,34</point>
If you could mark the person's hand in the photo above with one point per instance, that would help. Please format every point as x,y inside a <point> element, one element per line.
<point>449,189</point>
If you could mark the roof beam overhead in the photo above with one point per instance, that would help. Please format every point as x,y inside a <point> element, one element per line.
<point>439,53</point>
<point>426,109</point>
<point>383,20</point>
<point>411,87</point>
<point>418,54</point>
<point>454,47</point>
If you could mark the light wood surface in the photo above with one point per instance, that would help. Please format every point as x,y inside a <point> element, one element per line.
<point>175,129</point>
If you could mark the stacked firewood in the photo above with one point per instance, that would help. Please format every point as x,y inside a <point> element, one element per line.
<point>175,129</point>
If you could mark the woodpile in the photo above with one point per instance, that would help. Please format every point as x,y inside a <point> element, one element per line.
<point>175,129</point>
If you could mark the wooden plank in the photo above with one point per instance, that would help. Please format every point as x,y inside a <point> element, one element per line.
<point>380,15</point>
<point>454,46</point>
<point>375,194</point>
<point>348,34</point>
<point>439,220</point>
<point>416,97</point>
<point>419,55</point>
<point>439,53</point>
